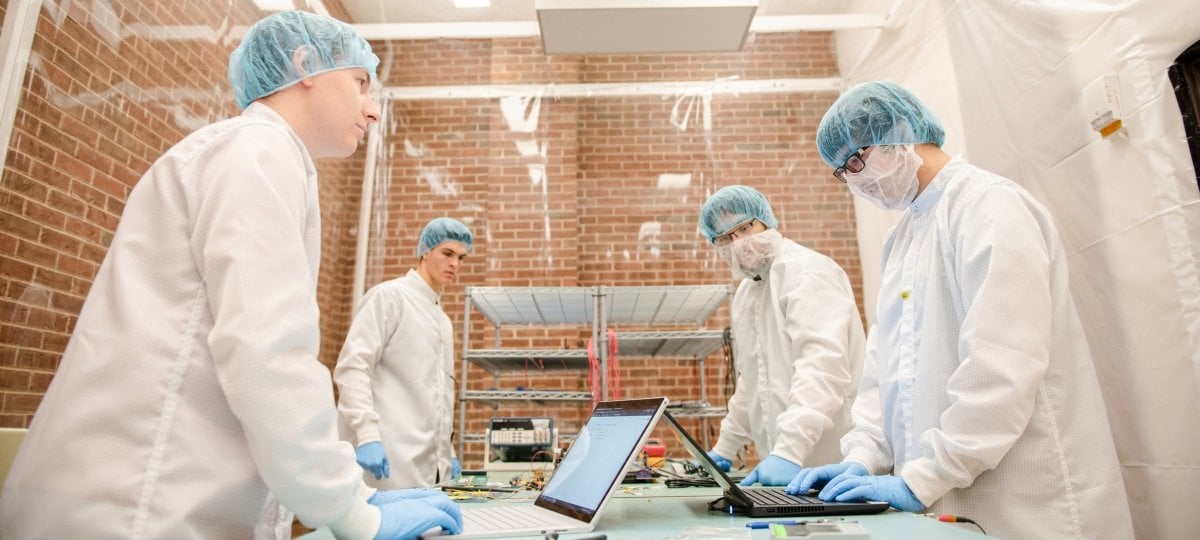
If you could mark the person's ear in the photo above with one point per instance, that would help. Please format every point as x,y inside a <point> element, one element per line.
<point>300,64</point>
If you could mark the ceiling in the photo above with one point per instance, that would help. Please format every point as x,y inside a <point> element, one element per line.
<point>443,11</point>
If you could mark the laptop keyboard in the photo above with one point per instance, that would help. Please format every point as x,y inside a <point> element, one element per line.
<point>779,497</point>
<point>503,517</point>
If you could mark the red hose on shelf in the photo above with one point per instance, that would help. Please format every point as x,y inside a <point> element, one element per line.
<point>614,370</point>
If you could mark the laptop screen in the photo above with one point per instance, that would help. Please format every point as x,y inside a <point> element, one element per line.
<point>732,491</point>
<point>595,463</point>
<point>736,497</point>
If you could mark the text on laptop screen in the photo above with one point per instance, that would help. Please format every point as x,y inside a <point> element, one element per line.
<point>597,457</point>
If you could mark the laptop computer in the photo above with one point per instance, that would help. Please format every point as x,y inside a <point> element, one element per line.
<point>766,501</point>
<point>583,483</point>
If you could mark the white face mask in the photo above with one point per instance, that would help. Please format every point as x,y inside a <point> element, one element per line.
<point>751,256</point>
<point>889,178</point>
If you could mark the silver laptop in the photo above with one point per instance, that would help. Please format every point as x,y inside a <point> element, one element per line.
<point>590,472</point>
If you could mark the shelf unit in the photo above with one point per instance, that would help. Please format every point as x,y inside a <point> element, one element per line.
<point>667,305</point>
<point>522,306</point>
<point>593,307</point>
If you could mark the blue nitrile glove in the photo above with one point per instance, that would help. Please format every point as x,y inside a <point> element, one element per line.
<point>873,488</point>
<point>408,519</point>
<point>372,458</point>
<point>816,477</point>
<point>455,468</point>
<point>772,471</point>
<point>382,497</point>
<point>722,463</point>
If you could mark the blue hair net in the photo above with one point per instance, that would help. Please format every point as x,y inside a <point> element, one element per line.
<point>441,230</point>
<point>732,205</point>
<point>263,62</point>
<point>875,113</point>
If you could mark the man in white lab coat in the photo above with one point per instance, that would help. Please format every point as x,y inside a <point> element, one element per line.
<point>979,396</point>
<point>395,374</point>
<point>189,402</point>
<point>798,341</point>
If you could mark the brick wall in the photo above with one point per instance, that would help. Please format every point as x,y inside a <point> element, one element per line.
<point>598,215</point>
<point>102,99</point>
<point>95,111</point>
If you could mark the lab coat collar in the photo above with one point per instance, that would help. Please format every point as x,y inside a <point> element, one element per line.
<point>260,110</point>
<point>933,191</point>
<point>423,287</point>
<point>765,274</point>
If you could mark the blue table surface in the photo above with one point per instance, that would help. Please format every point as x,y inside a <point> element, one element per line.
<point>644,511</point>
<point>655,511</point>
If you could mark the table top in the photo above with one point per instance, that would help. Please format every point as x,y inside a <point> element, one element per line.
<point>654,511</point>
<point>659,512</point>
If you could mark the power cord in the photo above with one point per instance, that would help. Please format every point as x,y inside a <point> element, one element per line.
<point>693,475</point>
<point>721,504</point>
<point>689,469</point>
<point>947,518</point>
<point>691,482</point>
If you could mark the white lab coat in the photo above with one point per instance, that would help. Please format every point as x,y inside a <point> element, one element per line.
<point>190,389</point>
<point>798,352</point>
<point>395,380</point>
<point>979,389</point>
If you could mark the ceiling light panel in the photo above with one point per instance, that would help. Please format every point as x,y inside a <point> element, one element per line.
<point>643,26</point>
<point>468,4</point>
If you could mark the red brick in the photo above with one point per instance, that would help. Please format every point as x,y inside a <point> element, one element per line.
<point>20,403</point>
<point>14,379</point>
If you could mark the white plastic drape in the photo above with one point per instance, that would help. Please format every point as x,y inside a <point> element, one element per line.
<point>1007,79</point>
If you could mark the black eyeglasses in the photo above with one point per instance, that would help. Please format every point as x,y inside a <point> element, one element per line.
<point>741,230</point>
<point>854,164</point>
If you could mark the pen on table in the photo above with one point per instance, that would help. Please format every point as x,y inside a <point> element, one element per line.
<point>767,524</point>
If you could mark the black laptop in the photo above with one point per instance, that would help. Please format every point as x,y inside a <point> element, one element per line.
<point>766,501</point>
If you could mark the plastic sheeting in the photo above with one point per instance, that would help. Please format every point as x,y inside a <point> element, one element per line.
<point>1007,79</point>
